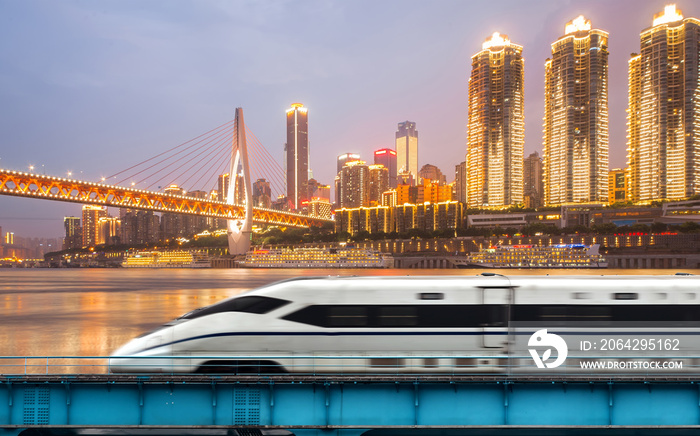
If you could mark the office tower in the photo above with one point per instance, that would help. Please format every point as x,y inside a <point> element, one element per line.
<point>297,155</point>
<point>345,158</point>
<point>91,218</point>
<point>407,148</point>
<point>387,157</point>
<point>496,125</point>
<point>532,181</point>
<point>378,183</point>
<point>617,186</point>
<point>432,173</point>
<point>663,118</point>
<point>575,131</point>
<point>262,194</point>
<point>460,186</point>
<point>354,185</point>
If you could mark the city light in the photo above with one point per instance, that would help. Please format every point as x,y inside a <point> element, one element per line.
<point>579,24</point>
<point>669,15</point>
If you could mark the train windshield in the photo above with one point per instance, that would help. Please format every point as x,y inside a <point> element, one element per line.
<point>250,304</point>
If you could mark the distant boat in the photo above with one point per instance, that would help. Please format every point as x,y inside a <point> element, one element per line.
<point>167,259</point>
<point>534,256</point>
<point>311,257</point>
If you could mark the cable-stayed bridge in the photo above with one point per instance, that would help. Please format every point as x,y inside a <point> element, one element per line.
<point>221,155</point>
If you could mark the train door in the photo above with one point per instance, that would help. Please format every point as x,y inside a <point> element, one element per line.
<point>496,302</point>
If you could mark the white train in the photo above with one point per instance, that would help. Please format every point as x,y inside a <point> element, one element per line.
<point>421,324</point>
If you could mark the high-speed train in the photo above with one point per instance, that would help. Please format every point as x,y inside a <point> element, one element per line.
<point>426,324</point>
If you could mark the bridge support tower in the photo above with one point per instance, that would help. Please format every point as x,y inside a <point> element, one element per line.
<point>239,230</point>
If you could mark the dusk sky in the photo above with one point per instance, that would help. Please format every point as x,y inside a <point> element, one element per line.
<point>96,86</point>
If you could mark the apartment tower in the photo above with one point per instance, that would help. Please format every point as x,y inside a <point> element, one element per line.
<point>496,125</point>
<point>663,118</point>
<point>297,155</point>
<point>575,130</point>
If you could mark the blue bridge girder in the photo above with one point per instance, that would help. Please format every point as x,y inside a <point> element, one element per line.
<point>345,405</point>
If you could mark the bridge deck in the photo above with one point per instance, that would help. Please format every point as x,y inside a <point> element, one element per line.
<point>388,405</point>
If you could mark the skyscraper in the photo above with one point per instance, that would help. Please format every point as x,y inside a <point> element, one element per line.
<point>460,186</point>
<point>74,234</point>
<point>297,155</point>
<point>378,183</point>
<point>496,125</point>
<point>575,131</point>
<point>532,180</point>
<point>345,158</point>
<point>354,184</point>
<point>91,217</point>
<point>262,194</point>
<point>407,148</point>
<point>663,118</point>
<point>387,157</point>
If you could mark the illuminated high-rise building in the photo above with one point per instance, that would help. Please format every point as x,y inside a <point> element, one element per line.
<point>222,187</point>
<point>387,157</point>
<point>663,117</point>
<point>378,183</point>
<point>296,152</point>
<point>74,234</point>
<point>496,125</point>
<point>354,184</point>
<point>345,158</point>
<point>532,181</point>
<point>262,194</point>
<point>617,186</point>
<point>459,190</point>
<point>407,148</point>
<point>575,128</point>
<point>431,172</point>
<point>91,218</point>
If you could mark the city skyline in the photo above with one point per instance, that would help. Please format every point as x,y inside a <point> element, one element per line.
<point>96,113</point>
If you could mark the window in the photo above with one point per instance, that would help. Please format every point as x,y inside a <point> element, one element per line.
<point>431,296</point>
<point>347,316</point>
<point>397,316</point>
<point>251,304</point>
<point>408,315</point>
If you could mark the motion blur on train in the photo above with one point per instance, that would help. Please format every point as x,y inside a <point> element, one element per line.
<point>420,324</point>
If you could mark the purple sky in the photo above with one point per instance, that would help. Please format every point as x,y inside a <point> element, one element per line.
<point>96,86</point>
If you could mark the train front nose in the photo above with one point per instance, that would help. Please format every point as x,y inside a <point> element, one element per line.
<point>148,353</point>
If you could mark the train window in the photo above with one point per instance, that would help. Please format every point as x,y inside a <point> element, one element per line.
<point>397,316</point>
<point>251,304</point>
<point>387,363</point>
<point>431,296</point>
<point>425,316</point>
<point>546,315</point>
<point>347,316</point>
<point>625,296</point>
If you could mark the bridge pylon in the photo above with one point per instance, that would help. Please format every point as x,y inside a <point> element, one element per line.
<point>239,229</point>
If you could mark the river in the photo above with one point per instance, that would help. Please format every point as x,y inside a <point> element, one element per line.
<point>91,312</point>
